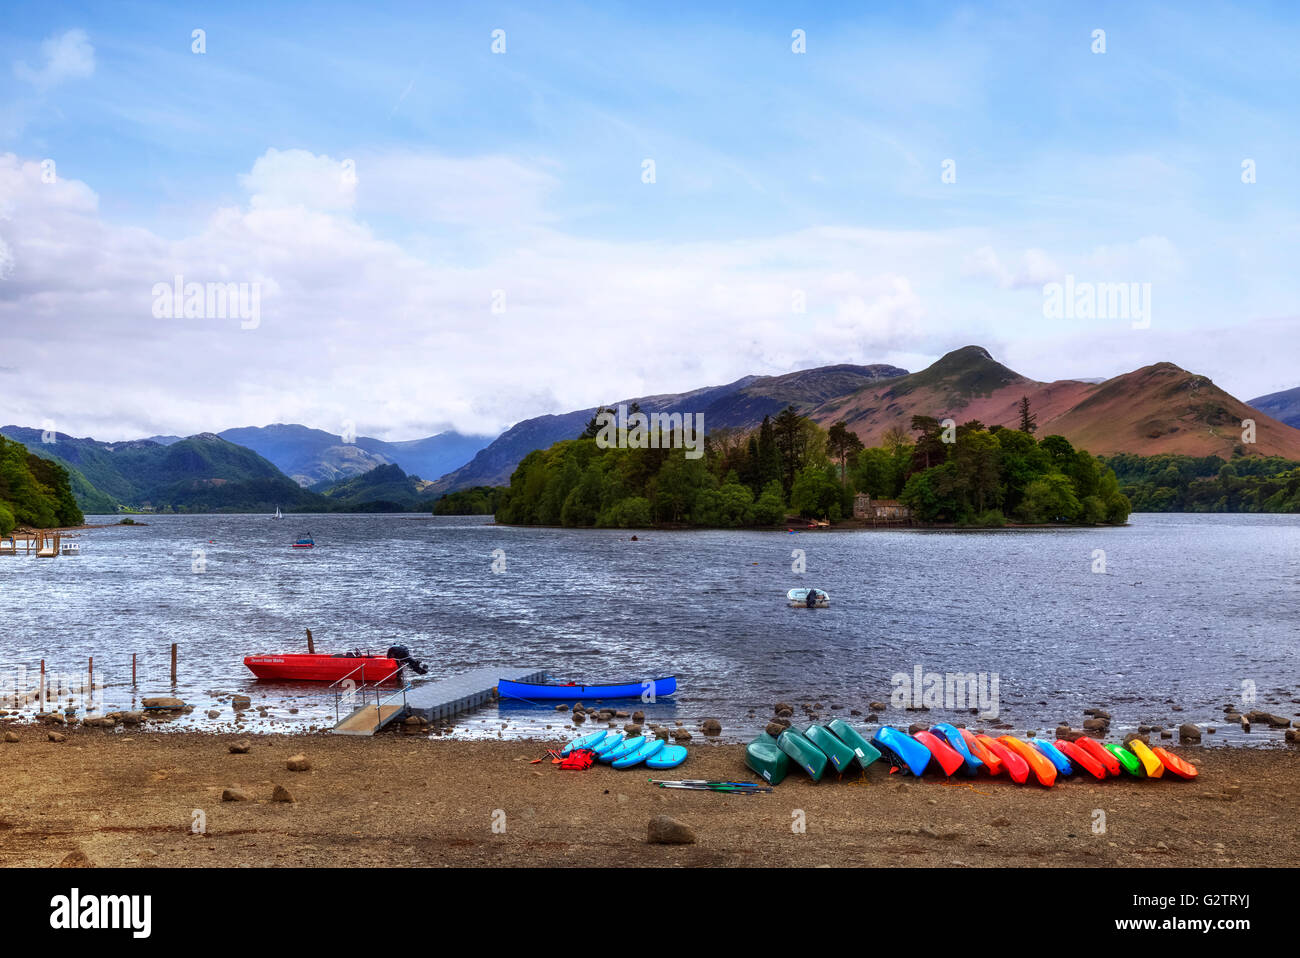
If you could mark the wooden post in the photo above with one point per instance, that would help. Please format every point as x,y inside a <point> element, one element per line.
<point>173,663</point>
<point>42,698</point>
<point>132,670</point>
<point>90,675</point>
<point>311,646</point>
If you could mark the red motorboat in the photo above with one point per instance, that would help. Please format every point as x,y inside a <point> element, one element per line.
<point>359,666</point>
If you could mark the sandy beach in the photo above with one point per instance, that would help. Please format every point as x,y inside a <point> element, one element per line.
<point>132,798</point>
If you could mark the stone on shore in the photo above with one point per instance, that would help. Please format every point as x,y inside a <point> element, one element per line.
<point>57,736</point>
<point>1188,732</point>
<point>76,859</point>
<point>664,830</point>
<point>298,763</point>
<point>235,795</point>
<point>162,702</point>
<point>282,794</point>
<point>242,747</point>
<point>240,701</point>
<point>12,737</point>
<point>711,727</point>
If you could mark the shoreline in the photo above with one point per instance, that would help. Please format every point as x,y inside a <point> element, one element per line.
<point>133,799</point>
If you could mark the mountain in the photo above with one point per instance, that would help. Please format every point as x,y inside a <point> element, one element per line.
<point>203,473</point>
<point>742,404</point>
<point>1283,406</point>
<point>1157,409</point>
<point>313,456</point>
<point>382,489</point>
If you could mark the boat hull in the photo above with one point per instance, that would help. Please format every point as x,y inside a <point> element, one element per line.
<point>321,668</point>
<point>625,690</point>
<point>765,757</point>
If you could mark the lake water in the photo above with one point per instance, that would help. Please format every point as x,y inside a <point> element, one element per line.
<point>1189,611</point>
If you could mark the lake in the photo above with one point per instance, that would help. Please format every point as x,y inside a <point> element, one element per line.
<point>1191,611</point>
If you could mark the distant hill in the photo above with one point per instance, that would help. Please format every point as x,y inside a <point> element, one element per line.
<point>203,473</point>
<point>1153,410</point>
<point>382,489</point>
<point>313,456</point>
<point>742,403</point>
<point>1283,406</point>
<point>34,491</point>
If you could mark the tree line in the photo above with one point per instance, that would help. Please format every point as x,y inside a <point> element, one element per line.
<point>34,492</point>
<point>968,475</point>
<point>1174,483</point>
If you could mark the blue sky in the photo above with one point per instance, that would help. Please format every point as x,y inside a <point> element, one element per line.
<point>522,172</point>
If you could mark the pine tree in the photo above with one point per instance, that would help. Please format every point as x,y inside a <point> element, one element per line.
<point>1028,421</point>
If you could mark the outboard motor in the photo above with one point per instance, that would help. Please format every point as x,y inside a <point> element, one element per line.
<point>812,598</point>
<point>402,656</point>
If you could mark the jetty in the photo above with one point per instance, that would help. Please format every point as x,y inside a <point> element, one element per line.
<point>431,701</point>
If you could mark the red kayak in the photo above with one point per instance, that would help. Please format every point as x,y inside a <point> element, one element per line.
<point>322,668</point>
<point>1099,752</point>
<point>1079,757</point>
<point>948,757</point>
<point>1016,766</point>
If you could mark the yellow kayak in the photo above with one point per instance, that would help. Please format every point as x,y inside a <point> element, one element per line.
<point>1154,767</point>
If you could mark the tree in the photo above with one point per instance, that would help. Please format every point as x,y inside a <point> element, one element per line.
<point>815,494</point>
<point>930,449</point>
<point>790,439</point>
<point>770,507</point>
<point>977,458</point>
<point>842,443</point>
<point>1028,421</point>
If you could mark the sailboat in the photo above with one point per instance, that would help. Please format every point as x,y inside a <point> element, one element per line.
<point>277,513</point>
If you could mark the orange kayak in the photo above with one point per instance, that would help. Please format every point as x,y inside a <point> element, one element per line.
<point>1079,757</point>
<point>1098,751</point>
<point>1016,766</point>
<point>1044,770</point>
<point>1178,766</point>
<point>948,757</point>
<point>1150,764</point>
<point>991,761</point>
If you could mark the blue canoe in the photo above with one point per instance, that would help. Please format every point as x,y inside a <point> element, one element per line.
<point>623,690</point>
<point>903,751</point>
<point>954,737</point>
<point>1054,755</point>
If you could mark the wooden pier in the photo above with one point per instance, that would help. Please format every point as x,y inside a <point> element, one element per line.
<point>433,701</point>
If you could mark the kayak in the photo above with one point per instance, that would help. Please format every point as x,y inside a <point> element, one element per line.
<point>901,751</point>
<point>865,752</point>
<point>670,756</point>
<point>1054,755</point>
<point>1178,766</point>
<point>626,747</point>
<point>991,761</point>
<point>1016,766</point>
<point>765,757</point>
<point>1100,753</point>
<point>1044,770</point>
<point>590,740</point>
<point>1127,759</point>
<point>302,667</point>
<point>609,743</point>
<point>841,755</point>
<point>805,754</point>
<point>953,736</point>
<point>943,753</point>
<point>651,747</point>
<point>1081,758</point>
<point>651,689</point>
<point>1150,764</point>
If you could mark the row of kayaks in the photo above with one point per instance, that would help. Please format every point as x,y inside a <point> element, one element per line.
<point>627,751</point>
<point>948,749</point>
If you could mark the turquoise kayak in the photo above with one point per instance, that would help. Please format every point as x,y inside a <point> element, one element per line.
<point>590,740</point>
<point>625,747</point>
<point>765,757</point>
<point>609,743</point>
<point>651,747</point>
<point>866,752</point>
<point>804,753</point>
<point>841,755</point>
<point>670,756</point>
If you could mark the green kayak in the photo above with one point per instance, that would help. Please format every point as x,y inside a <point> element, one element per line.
<point>841,755</point>
<point>1127,759</point>
<point>765,757</point>
<point>805,754</point>
<point>864,751</point>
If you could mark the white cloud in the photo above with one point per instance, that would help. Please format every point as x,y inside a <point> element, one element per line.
<point>299,178</point>
<point>67,56</point>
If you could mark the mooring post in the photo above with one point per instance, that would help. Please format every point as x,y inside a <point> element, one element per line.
<point>132,670</point>
<point>173,664</point>
<point>90,675</point>
<point>311,646</point>
<point>42,693</point>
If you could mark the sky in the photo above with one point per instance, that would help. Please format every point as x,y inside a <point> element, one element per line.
<point>462,215</point>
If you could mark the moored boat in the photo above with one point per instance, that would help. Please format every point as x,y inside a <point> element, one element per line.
<point>799,599</point>
<point>649,690</point>
<point>311,667</point>
<point>305,542</point>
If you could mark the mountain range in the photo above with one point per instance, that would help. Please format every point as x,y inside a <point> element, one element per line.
<point>1159,408</point>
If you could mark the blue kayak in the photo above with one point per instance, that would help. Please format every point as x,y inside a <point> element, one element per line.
<point>625,747</point>
<point>670,756</point>
<point>1054,755</point>
<point>953,736</point>
<point>590,740</point>
<point>651,747</point>
<point>649,690</point>
<point>902,750</point>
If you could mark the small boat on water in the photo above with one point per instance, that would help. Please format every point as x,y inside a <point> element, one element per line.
<point>305,542</point>
<point>277,513</point>
<point>651,688</point>
<point>800,599</point>
<point>310,667</point>
<point>70,549</point>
